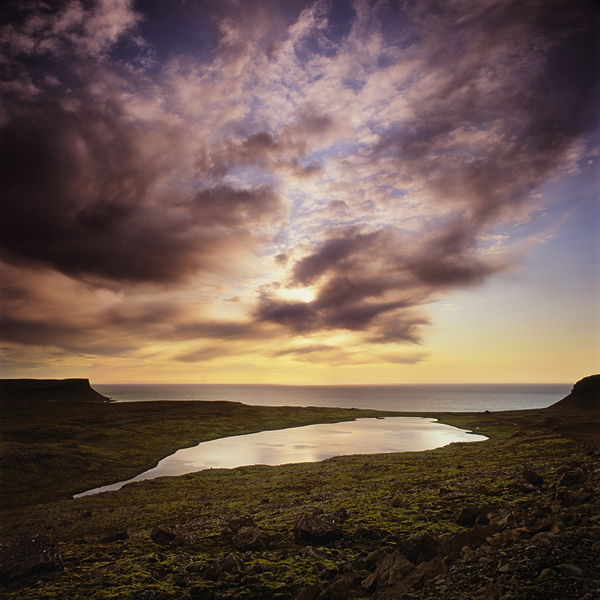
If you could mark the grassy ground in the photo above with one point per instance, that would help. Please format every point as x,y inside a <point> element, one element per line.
<point>58,450</point>
<point>53,450</point>
<point>398,494</point>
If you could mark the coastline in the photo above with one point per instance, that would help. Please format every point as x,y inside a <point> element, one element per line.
<point>172,538</point>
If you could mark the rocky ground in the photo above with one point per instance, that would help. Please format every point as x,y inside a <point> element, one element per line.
<point>513,518</point>
<point>544,545</point>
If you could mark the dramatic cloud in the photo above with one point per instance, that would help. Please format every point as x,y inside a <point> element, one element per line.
<point>292,171</point>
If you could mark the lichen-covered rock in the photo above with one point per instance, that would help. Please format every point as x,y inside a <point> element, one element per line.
<point>30,556</point>
<point>533,477</point>
<point>250,539</point>
<point>163,534</point>
<point>465,516</point>
<point>311,529</point>
<point>420,547</point>
<point>389,571</point>
<point>571,478</point>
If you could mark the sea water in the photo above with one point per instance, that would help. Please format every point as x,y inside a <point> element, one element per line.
<point>408,397</point>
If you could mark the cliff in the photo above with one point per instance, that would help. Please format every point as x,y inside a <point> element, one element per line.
<point>53,390</point>
<point>585,396</point>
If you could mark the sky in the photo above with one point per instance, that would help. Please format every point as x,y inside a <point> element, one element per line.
<point>284,191</point>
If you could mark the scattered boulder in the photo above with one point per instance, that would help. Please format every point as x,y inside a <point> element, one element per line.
<point>230,564</point>
<point>369,533</point>
<point>163,534</point>
<point>250,539</point>
<point>234,525</point>
<point>389,571</point>
<point>571,478</point>
<point>310,592</point>
<point>311,529</point>
<point>420,547</point>
<point>524,486</point>
<point>465,516</point>
<point>184,539</point>
<point>117,536</point>
<point>532,477</point>
<point>30,556</point>
<point>344,587</point>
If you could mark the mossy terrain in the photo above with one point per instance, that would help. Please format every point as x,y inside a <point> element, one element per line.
<point>53,450</point>
<point>105,540</point>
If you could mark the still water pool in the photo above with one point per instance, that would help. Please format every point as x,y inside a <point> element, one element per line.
<point>310,443</point>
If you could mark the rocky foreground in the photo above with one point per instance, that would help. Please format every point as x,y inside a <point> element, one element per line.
<point>513,518</point>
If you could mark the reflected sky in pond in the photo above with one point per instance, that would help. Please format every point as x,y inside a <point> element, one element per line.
<point>306,444</point>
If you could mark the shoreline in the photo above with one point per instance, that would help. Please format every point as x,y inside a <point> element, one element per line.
<point>432,524</point>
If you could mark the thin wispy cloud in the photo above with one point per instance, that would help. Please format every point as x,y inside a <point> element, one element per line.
<point>331,167</point>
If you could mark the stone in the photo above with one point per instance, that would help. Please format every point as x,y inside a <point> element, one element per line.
<point>30,556</point>
<point>310,592</point>
<point>571,478</point>
<point>230,564</point>
<point>465,516</point>
<point>568,570</point>
<point>532,477</point>
<point>524,486</point>
<point>389,571</point>
<point>118,536</point>
<point>370,533</point>
<point>250,539</point>
<point>163,534</point>
<point>239,522</point>
<point>420,547</point>
<point>343,587</point>
<point>311,529</point>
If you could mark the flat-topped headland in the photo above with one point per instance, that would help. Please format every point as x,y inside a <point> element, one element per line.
<point>54,390</point>
<point>516,516</point>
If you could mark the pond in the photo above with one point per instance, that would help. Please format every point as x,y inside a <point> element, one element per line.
<point>310,443</point>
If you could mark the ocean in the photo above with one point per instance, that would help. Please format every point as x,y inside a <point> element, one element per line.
<point>407,397</point>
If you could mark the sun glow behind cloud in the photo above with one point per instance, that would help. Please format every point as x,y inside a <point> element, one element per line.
<point>294,193</point>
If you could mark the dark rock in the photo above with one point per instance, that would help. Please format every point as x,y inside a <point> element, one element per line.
<point>238,523</point>
<point>118,536</point>
<point>532,477</point>
<point>163,534</point>
<point>570,570</point>
<point>309,552</point>
<point>571,478</point>
<point>310,592</point>
<point>424,572</point>
<point>370,533</point>
<point>250,539</point>
<point>389,571</point>
<point>343,587</point>
<point>30,556</point>
<point>465,516</point>
<point>311,529</point>
<point>184,539</point>
<point>340,514</point>
<point>420,547</point>
<point>229,565</point>
<point>524,486</point>
<point>200,593</point>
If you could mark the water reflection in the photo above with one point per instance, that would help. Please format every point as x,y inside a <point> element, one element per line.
<point>306,444</point>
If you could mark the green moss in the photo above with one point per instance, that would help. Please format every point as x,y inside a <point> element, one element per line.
<point>399,494</point>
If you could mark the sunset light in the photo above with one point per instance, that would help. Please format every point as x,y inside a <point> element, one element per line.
<point>319,192</point>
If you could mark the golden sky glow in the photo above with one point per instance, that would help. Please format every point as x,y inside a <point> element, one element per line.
<point>300,192</point>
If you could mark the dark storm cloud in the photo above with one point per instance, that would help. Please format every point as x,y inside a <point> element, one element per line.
<point>393,143</point>
<point>79,194</point>
<point>504,91</point>
<point>523,74</point>
<point>333,253</point>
